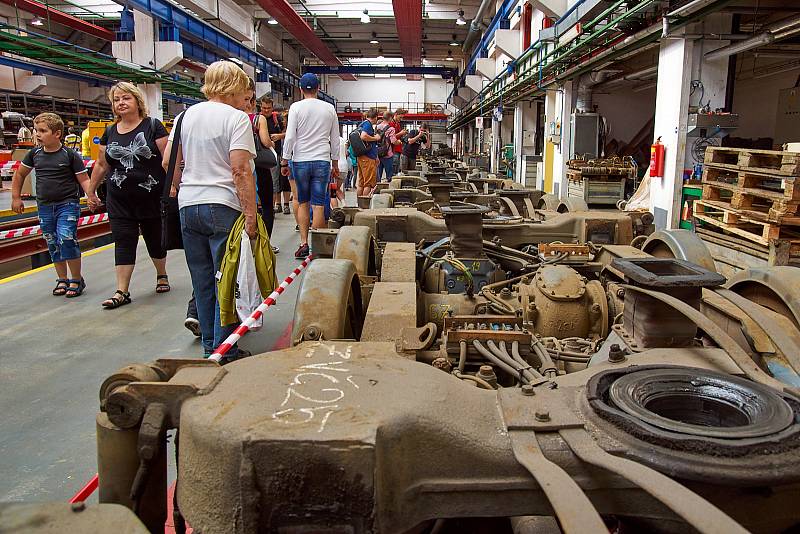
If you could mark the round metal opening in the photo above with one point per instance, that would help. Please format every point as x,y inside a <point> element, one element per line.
<point>701,403</point>
<point>697,410</point>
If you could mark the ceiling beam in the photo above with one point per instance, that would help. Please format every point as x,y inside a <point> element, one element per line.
<point>408,18</point>
<point>62,18</point>
<point>293,23</point>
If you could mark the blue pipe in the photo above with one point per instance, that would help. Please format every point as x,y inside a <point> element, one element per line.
<point>505,11</point>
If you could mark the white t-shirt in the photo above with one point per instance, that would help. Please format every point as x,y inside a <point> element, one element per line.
<point>312,132</point>
<point>210,130</point>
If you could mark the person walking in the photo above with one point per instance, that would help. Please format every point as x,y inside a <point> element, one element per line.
<point>400,134</point>
<point>368,163</point>
<point>130,156</point>
<point>312,145</point>
<point>386,147</point>
<point>352,168</point>
<point>215,187</point>
<point>59,172</point>
<point>277,132</point>
<point>416,138</point>
<point>264,182</point>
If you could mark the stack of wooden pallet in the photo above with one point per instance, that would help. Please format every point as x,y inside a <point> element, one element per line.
<point>752,194</point>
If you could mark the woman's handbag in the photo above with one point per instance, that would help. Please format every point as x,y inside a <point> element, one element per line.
<point>265,156</point>
<point>171,236</point>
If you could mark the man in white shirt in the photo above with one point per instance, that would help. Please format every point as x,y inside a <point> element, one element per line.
<point>312,145</point>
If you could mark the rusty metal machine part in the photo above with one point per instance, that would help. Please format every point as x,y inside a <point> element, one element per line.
<point>644,318</point>
<point>314,437</point>
<point>560,303</point>
<point>329,302</point>
<point>411,225</point>
<point>679,244</point>
<point>704,425</point>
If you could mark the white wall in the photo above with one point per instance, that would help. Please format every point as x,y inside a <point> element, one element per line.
<point>385,90</point>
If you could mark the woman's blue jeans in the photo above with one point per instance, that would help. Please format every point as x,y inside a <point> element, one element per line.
<point>205,232</point>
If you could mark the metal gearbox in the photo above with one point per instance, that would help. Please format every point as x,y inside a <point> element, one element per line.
<point>561,303</point>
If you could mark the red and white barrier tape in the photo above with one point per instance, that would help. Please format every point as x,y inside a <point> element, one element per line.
<point>86,490</point>
<point>36,230</point>
<point>14,165</point>
<point>243,328</point>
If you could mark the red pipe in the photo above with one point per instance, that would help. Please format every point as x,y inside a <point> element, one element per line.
<point>527,19</point>
<point>62,18</point>
<point>293,23</point>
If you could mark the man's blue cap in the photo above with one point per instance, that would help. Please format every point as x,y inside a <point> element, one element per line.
<point>309,81</point>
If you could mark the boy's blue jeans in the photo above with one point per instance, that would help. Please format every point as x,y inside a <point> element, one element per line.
<point>205,229</point>
<point>59,223</point>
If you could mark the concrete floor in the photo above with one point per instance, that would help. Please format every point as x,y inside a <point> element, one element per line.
<point>56,352</point>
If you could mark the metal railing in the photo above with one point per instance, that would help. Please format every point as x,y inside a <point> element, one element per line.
<point>410,107</point>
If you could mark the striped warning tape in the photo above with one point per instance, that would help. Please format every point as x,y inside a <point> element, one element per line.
<point>36,230</point>
<point>243,328</point>
<point>13,165</point>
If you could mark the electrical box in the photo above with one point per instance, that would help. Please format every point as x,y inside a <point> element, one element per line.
<point>585,138</point>
<point>554,134</point>
<point>709,124</point>
<point>528,138</point>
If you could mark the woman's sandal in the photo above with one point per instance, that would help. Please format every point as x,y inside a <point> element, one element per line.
<point>162,287</point>
<point>61,287</point>
<point>73,292</point>
<point>120,298</point>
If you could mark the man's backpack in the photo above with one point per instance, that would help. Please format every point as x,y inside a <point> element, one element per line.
<point>385,148</point>
<point>356,143</point>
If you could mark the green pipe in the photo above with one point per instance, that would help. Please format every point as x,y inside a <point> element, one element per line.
<point>600,17</point>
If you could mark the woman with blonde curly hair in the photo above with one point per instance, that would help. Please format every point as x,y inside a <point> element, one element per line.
<point>130,156</point>
<point>216,186</point>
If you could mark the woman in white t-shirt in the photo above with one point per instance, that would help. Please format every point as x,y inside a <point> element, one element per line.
<point>215,187</point>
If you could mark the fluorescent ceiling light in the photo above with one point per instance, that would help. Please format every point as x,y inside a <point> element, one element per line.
<point>365,17</point>
<point>461,21</point>
<point>272,21</point>
<point>454,42</point>
<point>374,39</point>
<point>185,70</point>
<point>37,22</point>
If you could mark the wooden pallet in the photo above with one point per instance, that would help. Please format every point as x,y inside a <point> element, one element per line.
<point>762,195</point>
<point>727,219</point>
<point>774,162</point>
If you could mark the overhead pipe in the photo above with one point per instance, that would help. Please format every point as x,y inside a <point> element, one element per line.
<point>475,25</point>
<point>771,32</point>
<point>408,19</point>
<point>586,84</point>
<point>640,74</point>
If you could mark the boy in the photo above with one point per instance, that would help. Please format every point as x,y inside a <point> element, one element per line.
<point>59,170</point>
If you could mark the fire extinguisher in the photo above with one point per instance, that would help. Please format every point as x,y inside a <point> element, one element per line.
<point>657,159</point>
